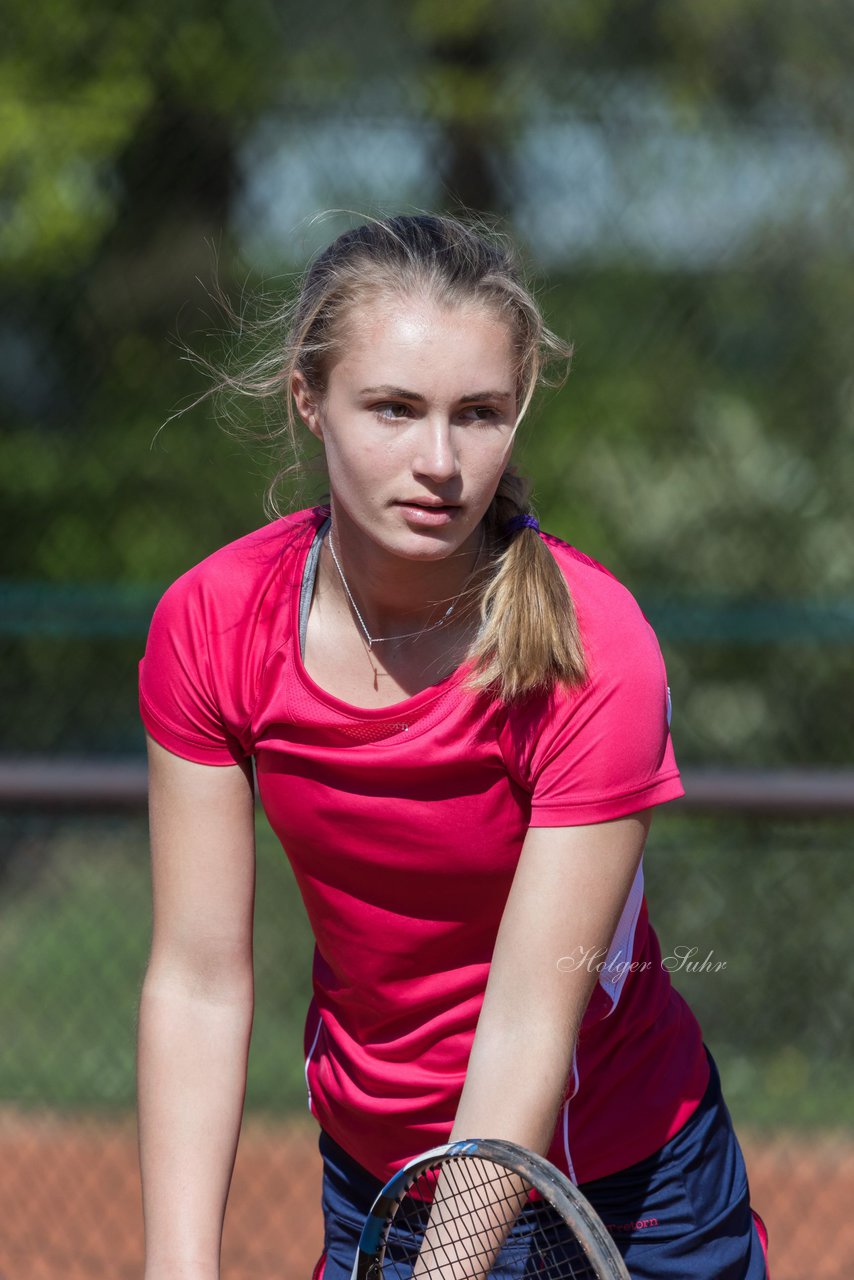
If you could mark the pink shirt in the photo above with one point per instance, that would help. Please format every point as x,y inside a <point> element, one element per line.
<point>404,825</point>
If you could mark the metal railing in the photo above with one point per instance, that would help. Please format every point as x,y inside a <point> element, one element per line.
<point>80,785</point>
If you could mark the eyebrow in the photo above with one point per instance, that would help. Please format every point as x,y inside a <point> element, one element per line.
<point>399,393</point>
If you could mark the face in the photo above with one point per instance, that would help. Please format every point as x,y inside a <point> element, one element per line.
<point>417,423</point>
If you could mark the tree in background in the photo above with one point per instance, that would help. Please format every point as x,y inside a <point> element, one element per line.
<point>710,410</point>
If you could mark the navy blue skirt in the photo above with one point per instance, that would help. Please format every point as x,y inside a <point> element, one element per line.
<point>683,1213</point>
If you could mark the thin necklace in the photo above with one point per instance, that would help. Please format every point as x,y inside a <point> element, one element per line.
<point>372,640</point>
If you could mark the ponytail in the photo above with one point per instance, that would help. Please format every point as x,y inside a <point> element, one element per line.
<point>529,639</point>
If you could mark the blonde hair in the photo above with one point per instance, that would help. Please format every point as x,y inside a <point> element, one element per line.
<point>529,639</point>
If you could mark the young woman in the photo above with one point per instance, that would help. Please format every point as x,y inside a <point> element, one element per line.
<point>460,728</point>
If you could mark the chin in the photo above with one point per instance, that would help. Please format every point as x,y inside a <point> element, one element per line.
<point>428,546</point>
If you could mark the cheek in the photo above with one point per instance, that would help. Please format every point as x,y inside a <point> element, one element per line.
<point>486,460</point>
<point>360,456</point>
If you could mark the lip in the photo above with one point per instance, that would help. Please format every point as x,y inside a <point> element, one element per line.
<point>429,514</point>
<point>425,502</point>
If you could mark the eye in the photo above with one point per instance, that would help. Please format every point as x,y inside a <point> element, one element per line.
<point>482,414</point>
<point>391,412</point>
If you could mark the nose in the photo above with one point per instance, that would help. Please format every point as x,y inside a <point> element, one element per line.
<point>437,456</point>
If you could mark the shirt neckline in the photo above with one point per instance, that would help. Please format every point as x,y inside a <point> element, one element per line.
<point>393,710</point>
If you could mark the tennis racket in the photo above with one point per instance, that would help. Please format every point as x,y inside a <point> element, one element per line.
<point>484,1210</point>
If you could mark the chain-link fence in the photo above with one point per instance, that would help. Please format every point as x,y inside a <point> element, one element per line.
<point>751,922</point>
<point>679,177</point>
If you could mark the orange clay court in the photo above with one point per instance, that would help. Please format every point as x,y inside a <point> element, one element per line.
<point>70,1201</point>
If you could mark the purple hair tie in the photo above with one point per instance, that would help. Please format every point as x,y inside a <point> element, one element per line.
<point>521,522</point>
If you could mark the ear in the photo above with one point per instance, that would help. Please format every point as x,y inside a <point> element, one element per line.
<point>306,403</point>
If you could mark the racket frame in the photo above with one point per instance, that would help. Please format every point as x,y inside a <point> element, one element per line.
<point>551,1185</point>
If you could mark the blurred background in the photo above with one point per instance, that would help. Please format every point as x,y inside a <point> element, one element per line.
<point>679,178</point>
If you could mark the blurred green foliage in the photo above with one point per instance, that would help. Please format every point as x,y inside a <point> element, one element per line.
<point>702,447</point>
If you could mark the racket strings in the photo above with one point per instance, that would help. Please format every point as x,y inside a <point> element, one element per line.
<point>471,1219</point>
<point>484,1203</point>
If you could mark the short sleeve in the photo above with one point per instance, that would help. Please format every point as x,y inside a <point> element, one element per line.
<point>178,699</point>
<point>603,750</point>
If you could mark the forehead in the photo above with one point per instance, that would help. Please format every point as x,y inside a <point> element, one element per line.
<point>412,340</point>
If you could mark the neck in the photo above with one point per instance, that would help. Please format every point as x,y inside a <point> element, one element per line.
<point>395,594</point>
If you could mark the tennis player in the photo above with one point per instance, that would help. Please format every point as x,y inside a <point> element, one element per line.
<point>460,729</point>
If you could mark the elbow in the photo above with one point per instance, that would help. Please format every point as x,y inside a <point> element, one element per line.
<point>209,972</point>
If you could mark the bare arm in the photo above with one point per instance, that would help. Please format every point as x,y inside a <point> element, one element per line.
<point>195,1014</point>
<point>569,890</point>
